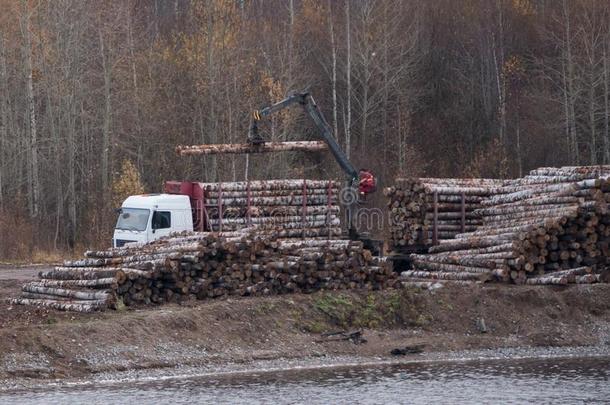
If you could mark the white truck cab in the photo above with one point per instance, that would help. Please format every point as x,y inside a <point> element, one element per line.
<point>147,217</point>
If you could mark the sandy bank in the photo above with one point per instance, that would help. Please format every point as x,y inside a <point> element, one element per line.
<point>43,345</point>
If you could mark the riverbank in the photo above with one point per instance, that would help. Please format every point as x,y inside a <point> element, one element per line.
<point>245,333</point>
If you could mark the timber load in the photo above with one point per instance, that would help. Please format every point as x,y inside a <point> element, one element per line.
<point>550,227</point>
<point>300,207</point>
<point>249,262</point>
<point>427,210</point>
<point>215,149</point>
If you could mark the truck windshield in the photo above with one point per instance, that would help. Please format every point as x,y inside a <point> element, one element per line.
<point>133,219</point>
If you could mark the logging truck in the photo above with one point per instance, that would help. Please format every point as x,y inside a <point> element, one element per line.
<point>194,206</point>
<point>182,206</point>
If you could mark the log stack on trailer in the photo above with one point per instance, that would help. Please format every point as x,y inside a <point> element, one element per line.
<point>207,265</point>
<point>550,227</point>
<point>299,207</point>
<point>427,210</point>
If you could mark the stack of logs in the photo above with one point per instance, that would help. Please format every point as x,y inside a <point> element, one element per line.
<point>207,265</point>
<point>425,211</point>
<point>550,227</point>
<point>299,207</point>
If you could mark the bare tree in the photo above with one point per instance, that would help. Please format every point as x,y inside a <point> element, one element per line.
<point>33,178</point>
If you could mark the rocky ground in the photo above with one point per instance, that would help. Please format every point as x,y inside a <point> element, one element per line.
<point>43,345</point>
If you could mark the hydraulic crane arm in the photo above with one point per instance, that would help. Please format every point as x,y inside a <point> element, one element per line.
<point>310,106</point>
<point>361,181</point>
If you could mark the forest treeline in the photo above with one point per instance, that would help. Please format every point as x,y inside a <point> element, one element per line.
<point>91,89</point>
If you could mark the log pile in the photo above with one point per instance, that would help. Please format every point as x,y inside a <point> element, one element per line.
<point>301,208</point>
<point>550,227</point>
<point>424,211</point>
<point>207,265</point>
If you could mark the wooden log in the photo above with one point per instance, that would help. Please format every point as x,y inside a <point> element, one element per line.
<point>213,149</point>
<point>62,292</point>
<point>458,190</point>
<point>84,263</point>
<point>76,306</point>
<point>448,267</point>
<point>40,296</point>
<point>579,271</point>
<point>546,280</point>
<point>259,185</point>
<point>308,232</point>
<point>89,273</point>
<point>279,219</point>
<point>275,201</point>
<point>587,171</point>
<point>100,282</point>
<point>273,193</point>
<point>332,223</point>
<point>328,243</point>
<point>276,210</point>
<point>559,190</point>
<point>520,208</point>
<point>146,249</point>
<point>452,215</point>
<point>541,214</point>
<point>510,246</point>
<point>469,182</point>
<point>445,275</point>
<point>433,262</point>
<point>588,279</point>
<point>428,285</point>
<point>469,243</point>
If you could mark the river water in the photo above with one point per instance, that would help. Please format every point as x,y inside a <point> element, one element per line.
<point>539,381</point>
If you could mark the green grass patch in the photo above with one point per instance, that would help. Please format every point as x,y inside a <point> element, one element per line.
<point>372,310</point>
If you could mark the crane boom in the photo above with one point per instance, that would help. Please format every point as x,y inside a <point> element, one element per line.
<point>310,106</point>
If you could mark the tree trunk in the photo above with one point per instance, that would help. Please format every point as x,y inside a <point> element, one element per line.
<point>348,77</point>
<point>31,102</point>
<point>106,142</point>
<point>570,82</point>
<point>606,107</point>
<point>3,116</point>
<point>334,68</point>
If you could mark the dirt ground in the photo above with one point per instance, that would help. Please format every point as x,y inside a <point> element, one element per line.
<point>42,344</point>
<point>22,272</point>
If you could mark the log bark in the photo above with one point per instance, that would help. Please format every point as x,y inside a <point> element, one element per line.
<point>446,275</point>
<point>273,193</point>
<point>260,185</point>
<point>450,267</point>
<point>62,292</point>
<point>100,282</point>
<point>428,285</point>
<point>469,243</point>
<point>295,146</point>
<point>420,261</point>
<point>275,201</point>
<point>86,273</point>
<point>76,306</point>
<point>547,280</point>
<point>588,279</point>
